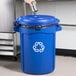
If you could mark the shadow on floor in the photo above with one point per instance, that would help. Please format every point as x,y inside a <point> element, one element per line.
<point>10,64</point>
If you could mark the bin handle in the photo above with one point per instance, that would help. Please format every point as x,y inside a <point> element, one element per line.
<point>16,26</point>
<point>58,28</point>
<point>16,29</point>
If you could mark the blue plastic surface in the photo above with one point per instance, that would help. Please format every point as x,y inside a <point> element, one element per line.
<point>37,20</point>
<point>38,46</point>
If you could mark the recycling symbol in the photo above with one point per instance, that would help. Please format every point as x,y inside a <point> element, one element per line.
<point>38,47</point>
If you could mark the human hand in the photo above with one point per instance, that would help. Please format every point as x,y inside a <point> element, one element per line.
<point>29,1</point>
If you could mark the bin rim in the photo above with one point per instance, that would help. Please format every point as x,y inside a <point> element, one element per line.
<point>36,27</point>
<point>17,28</point>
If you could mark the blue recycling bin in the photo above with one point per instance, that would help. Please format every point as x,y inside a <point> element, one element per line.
<point>37,40</point>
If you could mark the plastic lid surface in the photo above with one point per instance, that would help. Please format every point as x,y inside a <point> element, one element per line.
<point>37,20</point>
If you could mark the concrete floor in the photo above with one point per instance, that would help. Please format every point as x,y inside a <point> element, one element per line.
<point>65,66</point>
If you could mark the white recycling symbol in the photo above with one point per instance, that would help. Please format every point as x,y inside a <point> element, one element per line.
<point>40,45</point>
